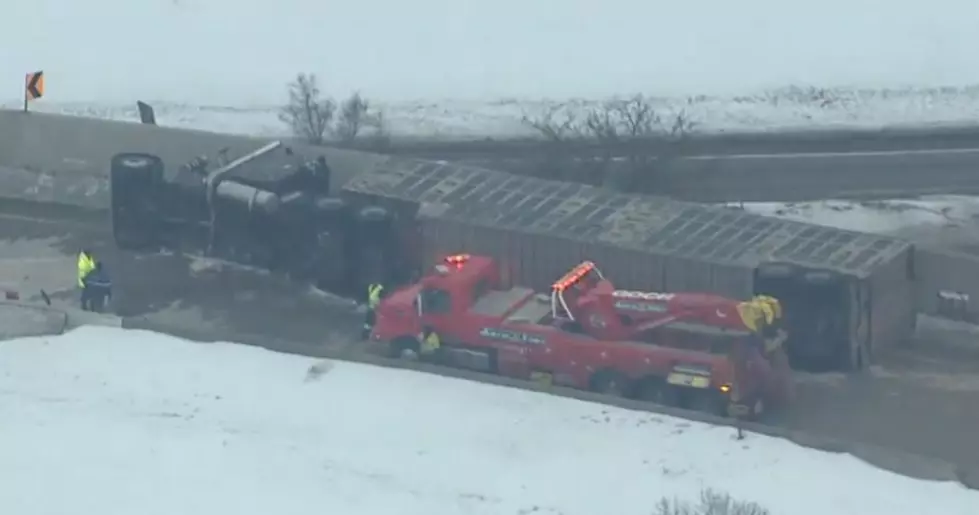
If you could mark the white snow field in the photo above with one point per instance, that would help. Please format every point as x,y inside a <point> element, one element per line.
<point>451,68</point>
<point>107,421</point>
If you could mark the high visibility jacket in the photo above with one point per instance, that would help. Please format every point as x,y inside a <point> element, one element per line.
<point>374,295</point>
<point>432,343</point>
<point>85,265</point>
<point>774,307</point>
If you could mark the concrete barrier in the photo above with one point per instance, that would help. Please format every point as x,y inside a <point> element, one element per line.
<point>63,154</point>
<point>23,319</point>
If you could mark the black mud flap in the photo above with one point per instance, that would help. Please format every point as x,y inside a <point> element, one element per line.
<point>146,114</point>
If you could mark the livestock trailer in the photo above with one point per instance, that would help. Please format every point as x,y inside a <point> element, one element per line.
<point>845,293</point>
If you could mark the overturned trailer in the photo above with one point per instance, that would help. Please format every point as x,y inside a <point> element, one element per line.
<point>844,293</point>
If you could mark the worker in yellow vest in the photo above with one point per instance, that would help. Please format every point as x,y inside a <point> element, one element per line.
<point>374,291</point>
<point>86,263</point>
<point>430,341</point>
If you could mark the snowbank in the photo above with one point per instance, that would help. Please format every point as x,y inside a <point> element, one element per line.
<point>110,421</point>
<point>785,109</point>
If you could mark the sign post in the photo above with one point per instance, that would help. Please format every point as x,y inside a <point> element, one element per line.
<point>33,87</point>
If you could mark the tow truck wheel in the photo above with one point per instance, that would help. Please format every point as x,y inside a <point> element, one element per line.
<point>405,347</point>
<point>610,382</point>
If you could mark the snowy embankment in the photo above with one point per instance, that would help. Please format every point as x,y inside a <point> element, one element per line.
<point>749,65</point>
<point>791,108</point>
<point>118,422</point>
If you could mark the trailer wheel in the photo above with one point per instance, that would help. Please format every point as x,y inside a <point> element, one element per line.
<point>610,382</point>
<point>405,347</point>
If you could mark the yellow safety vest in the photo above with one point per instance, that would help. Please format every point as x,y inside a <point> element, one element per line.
<point>773,308</point>
<point>85,265</point>
<point>374,295</point>
<point>751,314</point>
<point>432,343</point>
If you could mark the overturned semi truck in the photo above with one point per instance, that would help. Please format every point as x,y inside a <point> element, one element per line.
<point>270,208</point>
<point>845,294</point>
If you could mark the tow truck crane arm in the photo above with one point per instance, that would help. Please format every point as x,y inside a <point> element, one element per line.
<point>559,305</point>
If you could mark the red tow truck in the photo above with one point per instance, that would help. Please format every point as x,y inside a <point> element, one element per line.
<point>683,349</point>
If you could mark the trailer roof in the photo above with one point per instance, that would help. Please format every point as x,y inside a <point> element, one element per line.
<point>656,224</point>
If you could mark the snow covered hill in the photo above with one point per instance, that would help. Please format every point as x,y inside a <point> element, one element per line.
<point>104,421</point>
<point>462,69</point>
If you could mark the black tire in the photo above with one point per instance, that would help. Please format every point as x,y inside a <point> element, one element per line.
<point>405,347</point>
<point>611,383</point>
<point>135,180</point>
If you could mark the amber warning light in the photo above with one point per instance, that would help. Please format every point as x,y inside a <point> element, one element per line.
<point>573,277</point>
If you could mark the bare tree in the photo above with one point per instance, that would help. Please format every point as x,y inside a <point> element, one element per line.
<point>354,113</point>
<point>633,138</point>
<point>307,114</point>
<point>560,127</point>
<point>558,123</point>
<point>711,503</point>
<point>312,116</point>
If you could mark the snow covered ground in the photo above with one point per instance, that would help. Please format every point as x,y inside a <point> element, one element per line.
<point>107,421</point>
<point>453,119</point>
<point>945,220</point>
<point>451,69</point>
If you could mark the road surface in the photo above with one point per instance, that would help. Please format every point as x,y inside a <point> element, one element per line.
<point>922,400</point>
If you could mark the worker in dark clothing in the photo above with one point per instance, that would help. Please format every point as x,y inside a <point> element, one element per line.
<point>374,291</point>
<point>97,288</point>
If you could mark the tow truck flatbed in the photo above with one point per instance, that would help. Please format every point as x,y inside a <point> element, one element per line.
<point>497,303</point>
<point>533,311</point>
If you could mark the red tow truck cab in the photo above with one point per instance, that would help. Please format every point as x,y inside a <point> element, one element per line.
<point>581,334</point>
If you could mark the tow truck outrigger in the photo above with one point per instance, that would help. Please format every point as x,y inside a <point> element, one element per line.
<point>576,336</point>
